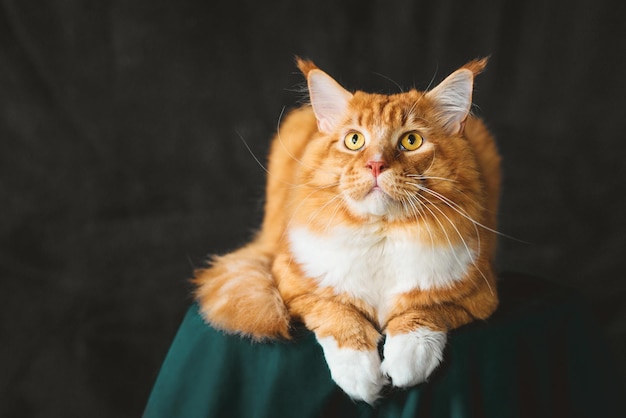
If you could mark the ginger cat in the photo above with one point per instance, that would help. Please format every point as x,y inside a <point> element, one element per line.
<point>379,227</point>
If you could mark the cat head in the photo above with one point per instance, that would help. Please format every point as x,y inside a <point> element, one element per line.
<point>399,157</point>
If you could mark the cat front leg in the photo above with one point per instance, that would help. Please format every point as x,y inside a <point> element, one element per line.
<point>350,344</point>
<point>349,341</point>
<point>419,321</point>
<point>342,326</point>
<point>356,372</point>
<point>411,357</point>
<point>416,338</point>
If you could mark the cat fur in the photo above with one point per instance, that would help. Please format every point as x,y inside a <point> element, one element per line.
<point>354,248</point>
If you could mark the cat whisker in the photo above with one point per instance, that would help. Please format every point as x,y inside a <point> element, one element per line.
<point>456,229</point>
<point>432,80</point>
<point>295,211</point>
<point>419,213</point>
<point>443,229</point>
<point>432,161</point>
<point>453,205</point>
<point>260,164</point>
<point>245,143</point>
<point>390,80</point>
<point>423,177</point>
<point>337,199</point>
<point>332,217</point>
<point>280,118</point>
<point>459,210</point>
<point>251,152</point>
<point>309,185</point>
<point>464,242</point>
<point>409,113</point>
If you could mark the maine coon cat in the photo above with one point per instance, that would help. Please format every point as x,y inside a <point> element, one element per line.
<point>379,220</point>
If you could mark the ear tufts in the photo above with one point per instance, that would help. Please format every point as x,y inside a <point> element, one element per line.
<point>305,65</point>
<point>477,66</point>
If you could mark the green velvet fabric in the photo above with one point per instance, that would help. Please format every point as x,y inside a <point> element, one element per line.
<point>539,355</point>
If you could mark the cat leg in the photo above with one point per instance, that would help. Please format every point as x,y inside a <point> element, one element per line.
<point>416,332</point>
<point>356,372</point>
<point>238,294</point>
<point>342,326</point>
<point>350,344</point>
<point>415,341</point>
<point>411,357</point>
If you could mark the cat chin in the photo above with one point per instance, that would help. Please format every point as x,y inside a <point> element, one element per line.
<point>376,203</point>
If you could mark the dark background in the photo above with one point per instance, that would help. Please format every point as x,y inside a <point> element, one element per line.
<point>122,167</point>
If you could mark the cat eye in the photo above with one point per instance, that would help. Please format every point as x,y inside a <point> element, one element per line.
<point>354,140</point>
<point>410,141</point>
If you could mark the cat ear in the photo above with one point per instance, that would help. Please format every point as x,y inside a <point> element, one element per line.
<point>453,96</point>
<point>328,98</point>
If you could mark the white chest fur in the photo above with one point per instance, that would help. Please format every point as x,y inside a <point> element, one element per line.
<point>375,268</point>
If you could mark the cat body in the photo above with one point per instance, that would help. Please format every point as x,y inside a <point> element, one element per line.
<point>378,226</point>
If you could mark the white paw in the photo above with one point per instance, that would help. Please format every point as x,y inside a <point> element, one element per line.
<point>410,358</point>
<point>356,372</point>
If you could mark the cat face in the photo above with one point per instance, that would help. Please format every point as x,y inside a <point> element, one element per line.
<point>388,149</point>
<point>399,157</point>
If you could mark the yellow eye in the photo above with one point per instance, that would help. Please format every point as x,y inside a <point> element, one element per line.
<point>410,141</point>
<point>354,140</point>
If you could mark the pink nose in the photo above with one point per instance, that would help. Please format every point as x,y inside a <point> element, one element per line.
<point>377,167</point>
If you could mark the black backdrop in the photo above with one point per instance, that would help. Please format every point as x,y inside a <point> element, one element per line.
<point>121,163</point>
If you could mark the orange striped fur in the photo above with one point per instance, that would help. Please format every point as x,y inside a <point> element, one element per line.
<point>414,228</point>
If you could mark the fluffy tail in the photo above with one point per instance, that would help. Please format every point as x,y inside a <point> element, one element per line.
<point>239,295</point>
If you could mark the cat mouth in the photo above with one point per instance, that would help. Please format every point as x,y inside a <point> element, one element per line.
<point>376,188</point>
<point>377,192</point>
<point>378,200</point>
<point>373,201</point>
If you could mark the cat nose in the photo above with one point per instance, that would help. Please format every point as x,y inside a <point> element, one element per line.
<point>377,167</point>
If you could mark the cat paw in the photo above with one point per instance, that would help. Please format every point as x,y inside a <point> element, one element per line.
<point>356,372</point>
<point>410,358</point>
